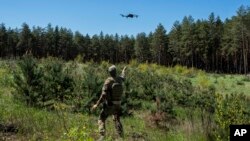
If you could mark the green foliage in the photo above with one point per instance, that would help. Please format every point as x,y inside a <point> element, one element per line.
<point>203,80</point>
<point>209,44</point>
<point>153,95</point>
<point>40,124</point>
<point>57,82</point>
<point>42,86</point>
<point>159,45</point>
<point>28,81</point>
<point>239,82</point>
<point>47,82</point>
<point>246,78</point>
<point>231,109</point>
<point>6,78</point>
<point>170,94</point>
<point>142,48</point>
<point>78,134</point>
<point>90,89</point>
<point>205,99</point>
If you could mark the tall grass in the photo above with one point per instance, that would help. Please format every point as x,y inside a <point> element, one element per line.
<point>193,104</point>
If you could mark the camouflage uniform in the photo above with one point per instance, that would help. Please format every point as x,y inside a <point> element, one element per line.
<point>111,106</point>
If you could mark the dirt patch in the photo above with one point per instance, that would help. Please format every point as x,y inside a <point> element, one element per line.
<point>8,128</point>
<point>138,136</point>
<point>8,132</point>
<point>161,120</point>
<point>9,137</point>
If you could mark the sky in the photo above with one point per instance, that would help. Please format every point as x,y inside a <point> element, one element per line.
<point>93,16</point>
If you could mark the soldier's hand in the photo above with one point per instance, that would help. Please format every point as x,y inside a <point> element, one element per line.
<point>124,68</point>
<point>94,107</point>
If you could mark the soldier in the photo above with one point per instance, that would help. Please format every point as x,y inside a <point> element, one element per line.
<point>111,98</point>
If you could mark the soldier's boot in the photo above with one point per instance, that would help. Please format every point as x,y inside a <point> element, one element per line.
<point>101,125</point>
<point>120,131</point>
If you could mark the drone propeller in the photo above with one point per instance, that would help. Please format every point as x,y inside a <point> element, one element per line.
<point>122,15</point>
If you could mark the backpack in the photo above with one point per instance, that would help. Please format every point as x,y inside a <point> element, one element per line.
<point>116,90</point>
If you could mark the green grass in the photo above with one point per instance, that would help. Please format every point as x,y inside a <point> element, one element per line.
<point>36,124</point>
<point>225,83</point>
<point>41,124</point>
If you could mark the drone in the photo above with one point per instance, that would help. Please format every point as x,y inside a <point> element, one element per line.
<point>130,15</point>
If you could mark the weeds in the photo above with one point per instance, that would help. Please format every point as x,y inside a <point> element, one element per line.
<point>153,95</point>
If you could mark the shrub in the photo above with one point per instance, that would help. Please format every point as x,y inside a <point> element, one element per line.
<point>42,86</point>
<point>57,82</point>
<point>240,82</point>
<point>6,78</point>
<point>28,81</point>
<point>170,93</point>
<point>231,109</point>
<point>246,78</point>
<point>91,87</point>
<point>204,98</point>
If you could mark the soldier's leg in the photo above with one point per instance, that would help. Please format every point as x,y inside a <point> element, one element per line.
<point>118,124</point>
<point>101,122</point>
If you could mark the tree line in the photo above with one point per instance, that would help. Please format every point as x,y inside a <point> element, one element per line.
<point>209,44</point>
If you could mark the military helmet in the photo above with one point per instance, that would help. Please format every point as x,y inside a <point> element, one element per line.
<point>112,70</point>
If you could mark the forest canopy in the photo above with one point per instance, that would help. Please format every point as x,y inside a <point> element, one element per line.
<point>209,44</point>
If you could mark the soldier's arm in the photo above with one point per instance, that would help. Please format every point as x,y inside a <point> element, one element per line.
<point>100,100</point>
<point>104,92</point>
<point>123,72</point>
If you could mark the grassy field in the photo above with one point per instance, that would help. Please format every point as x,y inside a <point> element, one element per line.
<point>59,124</point>
<point>226,83</point>
<point>34,124</point>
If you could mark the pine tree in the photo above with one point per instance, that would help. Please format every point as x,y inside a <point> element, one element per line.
<point>95,48</point>
<point>3,41</point>
<point>38,41</point>
<point>160,45</point>
<point>142,48</point>
<point>79,45</point>
<point>65,44</point>
<point>243,23</point>
<point>201,44</point>
<point>25,45</point>
<point>86,47</point>
<point>12,42</point>
<point>127,48</point>
<point>187,40</point>
<point>175,43</point>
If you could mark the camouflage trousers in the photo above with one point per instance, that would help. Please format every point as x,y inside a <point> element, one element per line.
<point>114,110</point>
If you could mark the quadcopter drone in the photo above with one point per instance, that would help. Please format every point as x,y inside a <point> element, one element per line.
<point>130,15</point>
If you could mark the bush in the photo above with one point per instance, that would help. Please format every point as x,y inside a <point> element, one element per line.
<point>89,88</point>
<point>5,77</point>
<point>28,81</point>
<point>246,78</point>
<point>75,87</point>
<point>42,86</point>
<point>205,99</point>
<point>57,82</point>
<point>170,93</point>
<point>231,109</point>
<point>240,82</point>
